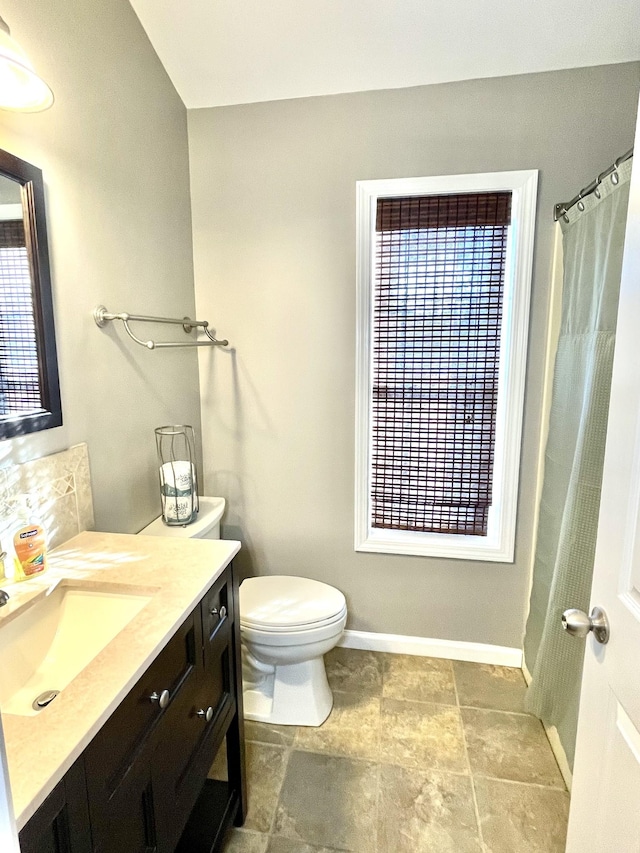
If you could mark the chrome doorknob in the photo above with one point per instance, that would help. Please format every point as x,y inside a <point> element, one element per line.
<point>578,624</point>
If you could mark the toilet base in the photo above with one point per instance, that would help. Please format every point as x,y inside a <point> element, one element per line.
<point>296,694</point>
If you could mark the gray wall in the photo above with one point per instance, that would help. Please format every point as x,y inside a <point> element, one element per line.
<point>114,154</point>
<point>273,202</point>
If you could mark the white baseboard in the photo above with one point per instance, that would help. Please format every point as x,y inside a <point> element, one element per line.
<point>433,648</point>
<point>554,740</point>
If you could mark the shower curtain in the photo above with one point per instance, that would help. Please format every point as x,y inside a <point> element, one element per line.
<point>593,239</point>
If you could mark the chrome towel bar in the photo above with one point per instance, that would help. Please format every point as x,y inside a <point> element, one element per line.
<point>102,317</point>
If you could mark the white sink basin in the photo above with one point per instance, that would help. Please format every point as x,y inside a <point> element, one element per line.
<point>50,639</point>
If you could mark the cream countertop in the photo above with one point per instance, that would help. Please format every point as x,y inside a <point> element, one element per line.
<point>177,573</point>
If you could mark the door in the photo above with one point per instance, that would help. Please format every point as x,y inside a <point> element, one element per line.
<point>605,806</point>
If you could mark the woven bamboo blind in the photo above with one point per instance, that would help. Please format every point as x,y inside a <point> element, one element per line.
<point>440,265</point>
<point>19,371</point>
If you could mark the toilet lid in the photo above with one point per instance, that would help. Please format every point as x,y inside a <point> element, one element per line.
<point>281,601</point>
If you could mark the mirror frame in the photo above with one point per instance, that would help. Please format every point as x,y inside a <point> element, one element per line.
<point>35,228</point>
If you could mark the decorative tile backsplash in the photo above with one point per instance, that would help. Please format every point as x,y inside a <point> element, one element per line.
<point>60,488</point>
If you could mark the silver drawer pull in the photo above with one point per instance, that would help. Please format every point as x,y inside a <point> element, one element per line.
<point>207,715</point>
<point>222,613</point>
<point>161,698</point>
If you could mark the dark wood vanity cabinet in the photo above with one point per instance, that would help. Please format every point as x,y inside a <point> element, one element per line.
<point>61,824</point>
<point>145,771</point>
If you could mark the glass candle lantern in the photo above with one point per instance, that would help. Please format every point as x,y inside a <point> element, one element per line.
<point>177,471</point>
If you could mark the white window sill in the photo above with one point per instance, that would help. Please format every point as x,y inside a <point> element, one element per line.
<point>456,547</point>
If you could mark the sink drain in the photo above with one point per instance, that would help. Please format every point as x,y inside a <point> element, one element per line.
<point>44,699</point>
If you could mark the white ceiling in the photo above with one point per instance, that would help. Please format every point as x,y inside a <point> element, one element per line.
<point>240,51</point>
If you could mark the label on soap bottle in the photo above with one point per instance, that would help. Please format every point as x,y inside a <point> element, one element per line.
<point>31,549</point>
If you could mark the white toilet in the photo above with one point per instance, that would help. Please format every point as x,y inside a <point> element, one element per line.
<point>287,624</point>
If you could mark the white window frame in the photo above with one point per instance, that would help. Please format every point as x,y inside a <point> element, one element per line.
<point>499,543</point>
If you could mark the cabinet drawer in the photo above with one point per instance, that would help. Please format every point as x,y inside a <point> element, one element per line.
<point>217,607</point>
<point>127,731</point>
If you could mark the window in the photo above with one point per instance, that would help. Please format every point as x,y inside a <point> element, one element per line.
<point>444,271</point>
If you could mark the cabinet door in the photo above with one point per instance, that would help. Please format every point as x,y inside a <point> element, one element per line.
<point>223,665</point>
<point>128,822</point>
<point>61,824</point>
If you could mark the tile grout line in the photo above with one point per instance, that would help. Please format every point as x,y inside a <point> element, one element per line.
<point>386,762</point>
<point>433,702</point>
<point>366,694</point>
<point>288,751</point>
<point>498,711</point>
<point>468,760</point>
<point>539,785</point>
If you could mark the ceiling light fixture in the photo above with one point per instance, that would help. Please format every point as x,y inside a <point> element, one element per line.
<point>21,89</point>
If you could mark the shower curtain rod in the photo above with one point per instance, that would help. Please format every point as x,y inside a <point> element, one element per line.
<point>563,207</point>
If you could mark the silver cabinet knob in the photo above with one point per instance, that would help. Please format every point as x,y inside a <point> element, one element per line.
<point>207,715</point>
<point>161,698</point>
<point>578,624</point>
<point>222,613</point>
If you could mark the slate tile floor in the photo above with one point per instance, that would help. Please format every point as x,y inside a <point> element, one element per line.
<point>418,755</point>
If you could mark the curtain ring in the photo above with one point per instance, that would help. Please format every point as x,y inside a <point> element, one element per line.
<point>565,216</point>
<point>580,203</point>
<point>597,192</point>
<point>615,178</point>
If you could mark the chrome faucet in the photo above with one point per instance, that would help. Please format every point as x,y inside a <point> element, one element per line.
<point>4,596</point>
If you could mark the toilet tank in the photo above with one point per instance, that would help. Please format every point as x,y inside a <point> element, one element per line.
<point>206,526</point>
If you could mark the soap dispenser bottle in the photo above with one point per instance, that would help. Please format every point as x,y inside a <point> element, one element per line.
<point>29,541</point>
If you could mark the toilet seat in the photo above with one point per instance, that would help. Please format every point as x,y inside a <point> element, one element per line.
<point>283,604</point>
<point>309,635</point>
<point>294,630</point>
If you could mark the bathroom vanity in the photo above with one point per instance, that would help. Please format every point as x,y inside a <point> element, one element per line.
<point>119,760</point>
